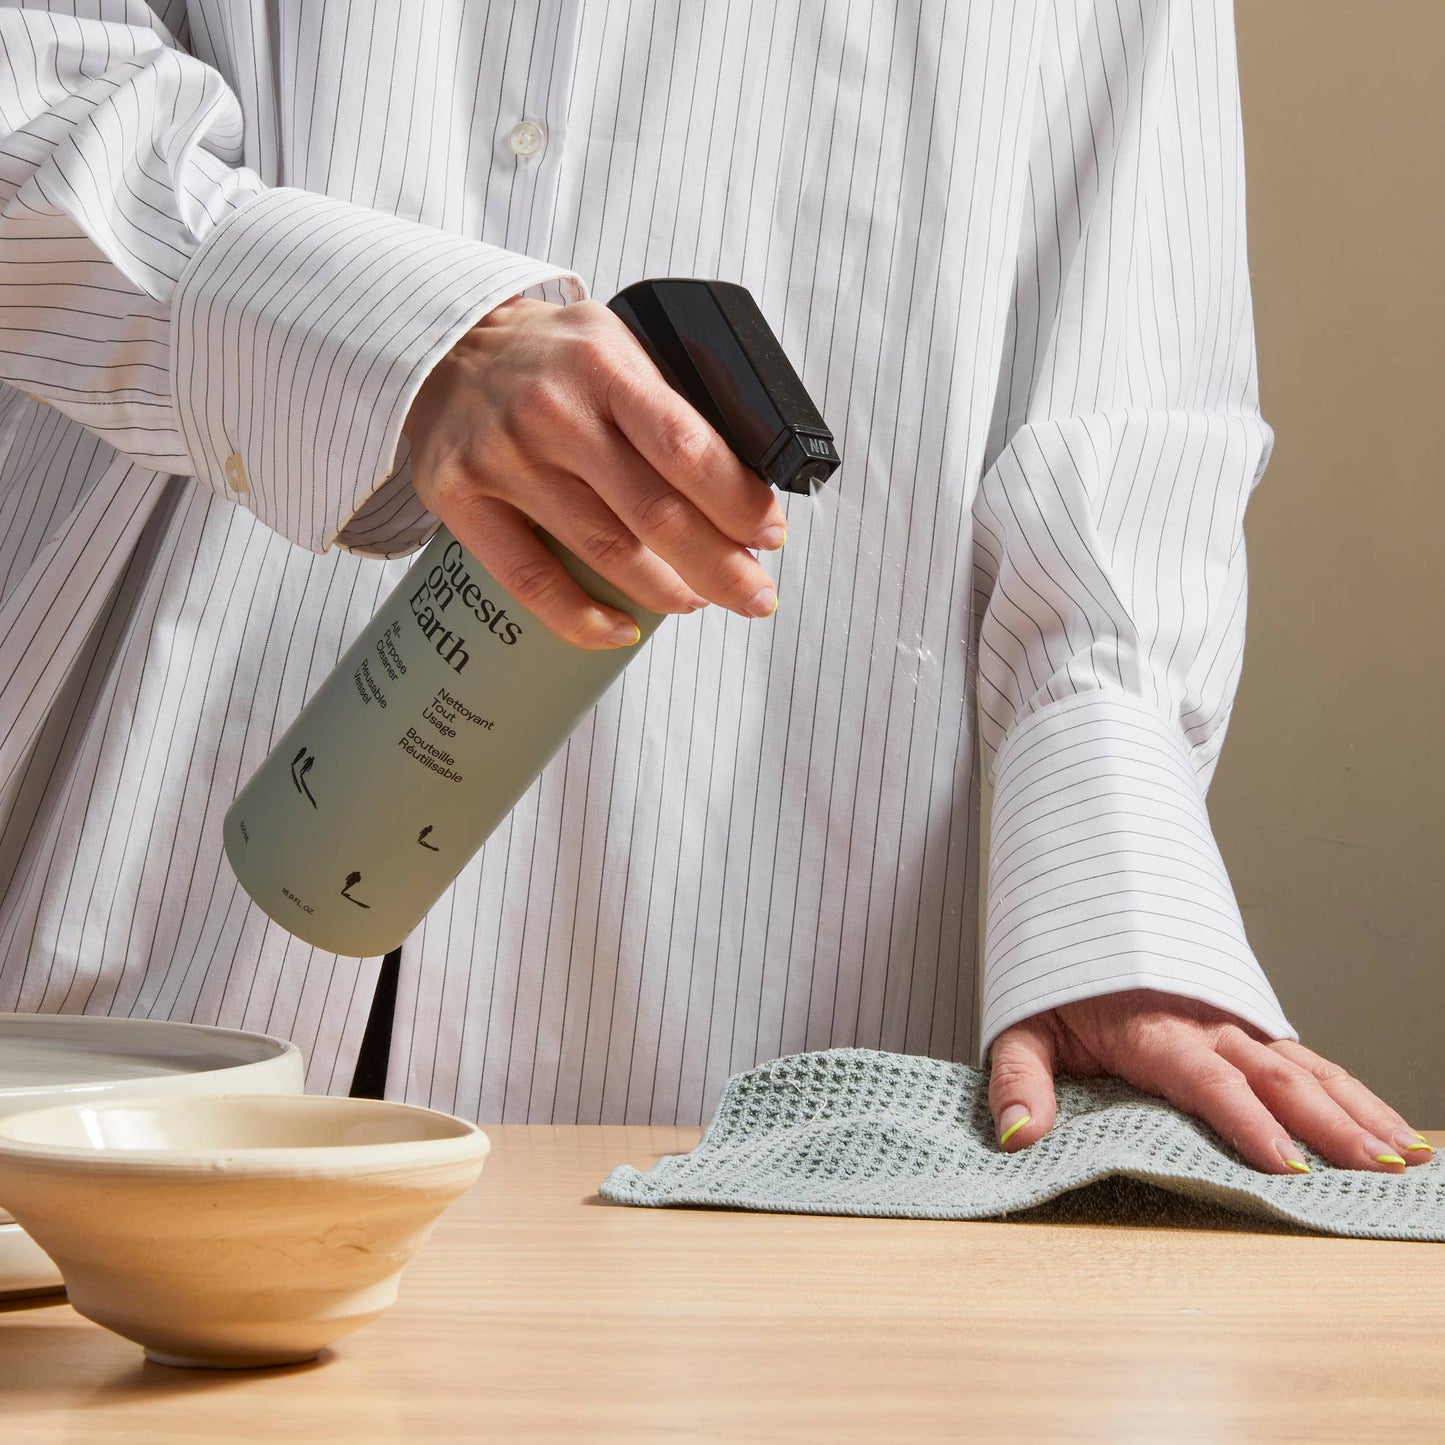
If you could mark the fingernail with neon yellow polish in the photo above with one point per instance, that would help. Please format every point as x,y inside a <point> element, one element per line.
<point>625,634</point>
<point>1408,1139</point>
<point>1011,1121</point>
<point>1291,1156</point>
<point>1381,1152</point>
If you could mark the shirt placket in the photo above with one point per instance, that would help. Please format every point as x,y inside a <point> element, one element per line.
<point>532,130</point>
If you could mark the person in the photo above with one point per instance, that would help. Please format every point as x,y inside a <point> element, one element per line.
<point>283,287</point>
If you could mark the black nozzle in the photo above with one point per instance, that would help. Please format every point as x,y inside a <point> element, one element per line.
<point>711,343</point>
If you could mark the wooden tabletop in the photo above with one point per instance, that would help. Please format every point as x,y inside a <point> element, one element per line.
<point>538,1313</point>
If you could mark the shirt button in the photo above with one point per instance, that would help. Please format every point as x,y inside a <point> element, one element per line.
<point>236,474</point>
<point>527,138</point>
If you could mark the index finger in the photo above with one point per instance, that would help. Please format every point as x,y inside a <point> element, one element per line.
<point>675,439</point>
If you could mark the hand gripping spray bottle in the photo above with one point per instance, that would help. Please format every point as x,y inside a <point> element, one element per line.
<point>450,703</point>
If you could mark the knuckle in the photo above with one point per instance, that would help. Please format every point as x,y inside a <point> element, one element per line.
<point>588,313</point>
<point>452,492</point>
<point>686,447</point>
<point>458,494</point>
<point>1007,1077</point>
<point>607,544</point>
<point>664,517</point>
<point>1285,1074</point>
<point>1331,1073</point>
<point>533,402</point>
<point>532,583</point>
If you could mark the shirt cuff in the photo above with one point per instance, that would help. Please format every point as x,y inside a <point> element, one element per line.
<point>301,332</point>
<point>1104,874</point>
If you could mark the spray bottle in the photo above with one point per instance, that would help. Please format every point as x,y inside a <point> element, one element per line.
<point>449,704</point>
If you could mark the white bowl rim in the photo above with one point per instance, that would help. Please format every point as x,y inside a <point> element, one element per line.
<point>293,1161</point>
<point>173,1028</point>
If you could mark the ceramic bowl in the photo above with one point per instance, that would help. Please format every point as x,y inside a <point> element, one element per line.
<point>48,1059</point>
<point>234,1231</point>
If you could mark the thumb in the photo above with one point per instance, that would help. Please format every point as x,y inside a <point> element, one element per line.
<point>1021,1085</point>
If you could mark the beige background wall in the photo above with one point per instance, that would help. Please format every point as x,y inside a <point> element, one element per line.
<point>1329,801</point>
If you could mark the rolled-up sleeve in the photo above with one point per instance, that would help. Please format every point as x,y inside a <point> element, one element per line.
<point>1126,442</point>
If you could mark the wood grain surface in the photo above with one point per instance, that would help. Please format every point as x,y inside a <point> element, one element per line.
<point>539,1313</point>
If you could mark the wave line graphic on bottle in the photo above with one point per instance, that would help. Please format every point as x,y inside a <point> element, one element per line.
<point>298,776</point>
<point>352,879</point>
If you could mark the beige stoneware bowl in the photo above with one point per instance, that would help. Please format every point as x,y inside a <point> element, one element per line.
<point>234,1231</point>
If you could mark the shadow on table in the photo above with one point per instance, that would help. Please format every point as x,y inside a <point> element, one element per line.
<point>87,1367</point>
<point>1121,1200</point>
<point>1113,1202</point>
<point>16,1304</point>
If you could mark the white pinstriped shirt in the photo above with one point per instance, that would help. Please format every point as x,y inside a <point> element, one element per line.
<point>1003,243</point>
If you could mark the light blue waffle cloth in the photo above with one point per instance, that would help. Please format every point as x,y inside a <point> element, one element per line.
<point>855,1131</point>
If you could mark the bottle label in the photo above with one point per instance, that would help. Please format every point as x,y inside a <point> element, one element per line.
<point>430,738</point>
<point>449,588</point>
<point>438,718</point>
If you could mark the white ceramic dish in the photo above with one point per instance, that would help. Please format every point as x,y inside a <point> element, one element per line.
<point>237,1231</point>
<point>49,1059</point>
